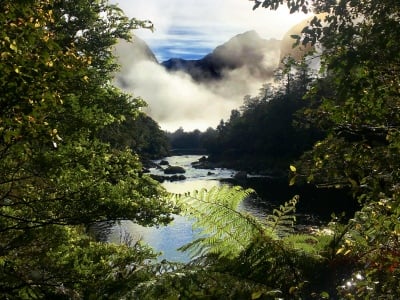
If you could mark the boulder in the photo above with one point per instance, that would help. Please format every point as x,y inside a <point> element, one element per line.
<point>161,178</point>
<point>174,170</point>
<point>164,163</point>
<point>176,177</point>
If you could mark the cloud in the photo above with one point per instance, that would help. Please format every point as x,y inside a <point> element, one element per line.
<point>183,25</point>
<point>176,100</point>
<point>191,29</point>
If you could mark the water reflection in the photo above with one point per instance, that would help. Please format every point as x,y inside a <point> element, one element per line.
<point>165,239</point>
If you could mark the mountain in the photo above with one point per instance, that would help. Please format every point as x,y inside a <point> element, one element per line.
<point>129,54</point>
<point>246,50</point>
<point>134,51</point>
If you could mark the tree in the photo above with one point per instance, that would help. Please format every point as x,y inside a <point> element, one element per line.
<point>56,175</point>
<point>360,60</point>
<point>264,135</point>
<point>139,133</point>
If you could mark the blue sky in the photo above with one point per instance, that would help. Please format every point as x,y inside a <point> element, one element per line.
<point>190,29</point>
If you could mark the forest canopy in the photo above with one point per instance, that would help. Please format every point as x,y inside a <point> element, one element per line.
<point>57,176</point>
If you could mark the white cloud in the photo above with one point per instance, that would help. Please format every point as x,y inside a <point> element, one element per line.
<point>204,24</point>
<point>175,100</point>
<point>188,28</point>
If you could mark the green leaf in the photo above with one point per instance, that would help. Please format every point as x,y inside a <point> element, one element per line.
<point>256,295</point>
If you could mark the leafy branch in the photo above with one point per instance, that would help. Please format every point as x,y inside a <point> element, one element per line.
<point>224,229</point>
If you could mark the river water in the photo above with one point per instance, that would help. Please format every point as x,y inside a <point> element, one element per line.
<point>167,239</point>
<point>315,205</point>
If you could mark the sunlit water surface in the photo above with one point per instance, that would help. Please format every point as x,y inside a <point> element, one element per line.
<point>167,239</point>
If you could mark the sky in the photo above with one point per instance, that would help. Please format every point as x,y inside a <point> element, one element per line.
<point>191,29</point>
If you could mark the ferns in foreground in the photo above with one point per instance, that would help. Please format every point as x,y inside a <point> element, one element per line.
<point>226,231</point>
<point>223,229</point>
<point>239,256</point>
<point>239,247</point>
<point>282,220</point>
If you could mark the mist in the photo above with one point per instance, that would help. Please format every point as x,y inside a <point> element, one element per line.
<point>175,100</point>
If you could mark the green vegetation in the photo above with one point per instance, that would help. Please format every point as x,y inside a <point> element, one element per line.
<point>67,160</point>
<point>355,105</point>
<point>281,140</point>
<point>141,134</point>
<point>238,143</point>
<point>56,176</point>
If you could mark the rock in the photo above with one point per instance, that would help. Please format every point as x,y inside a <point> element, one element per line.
<point>176,177</point>
<point>174,170</point>
<point>203,163</point>
<point>164,163</point>
<point>241,175</point>
<point>159,178</point>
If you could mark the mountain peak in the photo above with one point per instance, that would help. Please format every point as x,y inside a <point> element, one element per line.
<point>247,49</point>
<point>247,36</point>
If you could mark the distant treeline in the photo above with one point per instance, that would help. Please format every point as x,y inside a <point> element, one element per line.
<point>267,132</point>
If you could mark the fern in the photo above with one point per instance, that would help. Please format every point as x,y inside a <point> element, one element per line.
<point>281,221</point>
<point>242,251</point>
<point>224,230</point>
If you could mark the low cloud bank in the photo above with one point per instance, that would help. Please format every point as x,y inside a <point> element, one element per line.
<point>176,100</point>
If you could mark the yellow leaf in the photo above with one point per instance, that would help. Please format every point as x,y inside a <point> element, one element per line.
<point>5,54</point>
<point>293,289</point>
<point>293,168</point>
<point>353,183</point>
<point>13,47</point>
<point>347,252</point>
<point>256,295</point>
<point>16,70</point>
<point>339,251</point>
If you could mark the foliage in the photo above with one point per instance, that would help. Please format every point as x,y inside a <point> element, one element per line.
<point>224,230</point>
<point>241,257</point>
<point>274,111</point>
<point>139,133</point>
<point>360,64</point>
<point>185,140</point>
<point>281,220</point>
<point>64,263</point>
<point>56,175</point>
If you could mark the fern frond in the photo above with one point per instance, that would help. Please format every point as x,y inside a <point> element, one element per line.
<point>282,220</point>
<point>224,230</point>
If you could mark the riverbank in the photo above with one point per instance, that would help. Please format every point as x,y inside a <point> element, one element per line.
<point>313,210</point>
<point>273,186</point>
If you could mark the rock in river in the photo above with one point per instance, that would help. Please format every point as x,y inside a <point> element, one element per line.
<point>174,170</point>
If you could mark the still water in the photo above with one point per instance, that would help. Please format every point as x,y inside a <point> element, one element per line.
<point>167,239</point>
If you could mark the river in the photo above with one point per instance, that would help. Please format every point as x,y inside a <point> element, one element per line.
<point>167,239</point>
<point>315,206</point>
